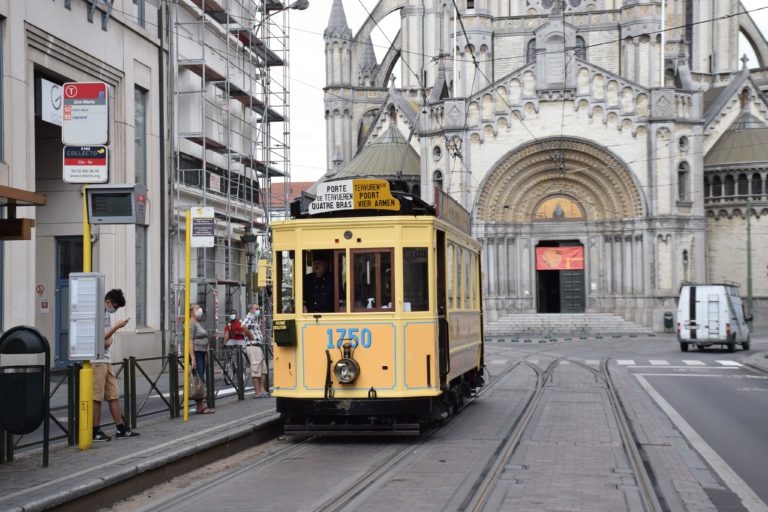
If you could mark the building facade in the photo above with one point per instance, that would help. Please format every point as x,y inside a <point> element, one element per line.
<point>577,133</point>
<point>44,45</point>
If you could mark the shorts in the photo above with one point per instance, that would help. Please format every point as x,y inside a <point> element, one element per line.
<point>256,357</point>
<point>104,383</point>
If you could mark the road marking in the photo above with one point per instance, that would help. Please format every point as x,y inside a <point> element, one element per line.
<point>659,362</point>
<point>626,362</point>
<point>499,361</point>
<point>533,361</point>
<point>749,499</point>
<point>694,362</point>
<point>592,362</point>
<point>729,363</point>
<point>565,362</point>
<point>688,367</point>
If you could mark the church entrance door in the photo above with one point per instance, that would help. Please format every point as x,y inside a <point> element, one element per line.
<point>560,277</point>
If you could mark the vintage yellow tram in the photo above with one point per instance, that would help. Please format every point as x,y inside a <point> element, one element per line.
<point>377,311</point>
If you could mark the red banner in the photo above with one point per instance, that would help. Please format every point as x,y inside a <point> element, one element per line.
<point>560,258</point>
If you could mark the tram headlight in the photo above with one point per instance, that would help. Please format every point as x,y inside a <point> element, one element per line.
<point>346,370</point>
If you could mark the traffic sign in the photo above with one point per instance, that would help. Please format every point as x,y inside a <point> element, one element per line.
<point>86,164</point>
<point>85,119</point>
<point>203,227</point>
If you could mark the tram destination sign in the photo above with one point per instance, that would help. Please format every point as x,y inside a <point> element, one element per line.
<point>340,195</point>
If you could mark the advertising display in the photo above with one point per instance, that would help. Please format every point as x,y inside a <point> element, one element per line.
<point>560,258</point>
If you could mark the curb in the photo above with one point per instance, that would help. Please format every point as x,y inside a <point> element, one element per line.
<point>101,491</point>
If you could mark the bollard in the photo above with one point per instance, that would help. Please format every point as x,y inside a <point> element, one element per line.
<point>85,423</point>
<point>132,401</point>
<point>173,384</point>
<point>209,384</point>
<point>71,405</point>
<point>239,370</point>
<point>126,392</point>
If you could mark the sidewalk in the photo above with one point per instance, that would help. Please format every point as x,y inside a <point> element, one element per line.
<point>112,470</point>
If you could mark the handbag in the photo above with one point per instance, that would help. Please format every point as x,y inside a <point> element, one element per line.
<point>196,388</point>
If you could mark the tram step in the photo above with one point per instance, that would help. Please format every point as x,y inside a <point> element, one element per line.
<point>399,429</point>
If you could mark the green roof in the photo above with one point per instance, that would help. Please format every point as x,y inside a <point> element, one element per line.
<point>384,157</point>
<point>745,142</point>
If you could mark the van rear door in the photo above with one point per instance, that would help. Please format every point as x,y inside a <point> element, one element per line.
<point>712,323</point>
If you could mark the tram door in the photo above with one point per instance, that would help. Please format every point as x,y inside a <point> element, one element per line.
<point>442,308</point>
<point>560,277</point>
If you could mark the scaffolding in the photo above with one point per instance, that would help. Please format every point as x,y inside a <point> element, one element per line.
<point>231,138</point>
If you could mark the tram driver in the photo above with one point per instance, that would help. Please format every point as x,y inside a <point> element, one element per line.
<point>318,287</point>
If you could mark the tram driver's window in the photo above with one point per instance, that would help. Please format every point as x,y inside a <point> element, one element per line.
<point>284,267</point>
<point>321,291</point>
<point>415,279</point>
<point>372,280</point>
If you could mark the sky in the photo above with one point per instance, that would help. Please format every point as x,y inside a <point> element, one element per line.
<point>307,61</point>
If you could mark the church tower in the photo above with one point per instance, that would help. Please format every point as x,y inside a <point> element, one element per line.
<point>338,83</point>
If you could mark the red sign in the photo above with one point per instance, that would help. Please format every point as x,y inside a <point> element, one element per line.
<point>560,258</point>
<point>86,114</point>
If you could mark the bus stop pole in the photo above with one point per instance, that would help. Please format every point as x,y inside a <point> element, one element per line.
<point>187,282</point>
<point>85,430</point>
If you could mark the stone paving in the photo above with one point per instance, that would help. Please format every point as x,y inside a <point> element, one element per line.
<point>26,486</point>
<point>534,478</point>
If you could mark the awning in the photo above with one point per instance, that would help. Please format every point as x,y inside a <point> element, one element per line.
<point>12,228</point>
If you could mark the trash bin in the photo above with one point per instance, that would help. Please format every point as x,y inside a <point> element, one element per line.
<point>669,321</point>
<point>25,359</point>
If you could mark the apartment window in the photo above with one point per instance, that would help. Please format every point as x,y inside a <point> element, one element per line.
<point>140,168</point>
<point>141,276</point>
<point>138,11</point>
<point>140,134</point>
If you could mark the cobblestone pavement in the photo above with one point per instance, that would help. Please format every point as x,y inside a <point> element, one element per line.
<point>587,444</point>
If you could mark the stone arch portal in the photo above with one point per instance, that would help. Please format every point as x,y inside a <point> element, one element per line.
<point>603,234</point>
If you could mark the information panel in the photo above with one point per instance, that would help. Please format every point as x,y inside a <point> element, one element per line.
<point>353,195</point>
<point>86,316</point>
<point>86,164</point>
<point>560,258</point>
<point>203,227</point>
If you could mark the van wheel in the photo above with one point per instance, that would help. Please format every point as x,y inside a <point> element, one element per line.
<point>745,345</point>
<point>683,346</point>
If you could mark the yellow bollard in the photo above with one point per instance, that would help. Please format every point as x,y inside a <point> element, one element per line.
<point>85,437</point>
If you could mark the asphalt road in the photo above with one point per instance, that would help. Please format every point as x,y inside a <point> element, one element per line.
<point>725,406</point>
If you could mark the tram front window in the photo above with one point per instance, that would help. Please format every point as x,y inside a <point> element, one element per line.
<point>318,282</point>
<point>372,279</point>
<point>415,279</point>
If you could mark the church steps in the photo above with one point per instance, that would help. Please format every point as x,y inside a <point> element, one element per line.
<point>562,325</point>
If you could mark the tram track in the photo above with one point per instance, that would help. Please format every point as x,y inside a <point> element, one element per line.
<point>643,474</point>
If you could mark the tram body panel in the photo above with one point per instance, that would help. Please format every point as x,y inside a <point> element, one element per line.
<point>421,370</point>
<point>464,342</point>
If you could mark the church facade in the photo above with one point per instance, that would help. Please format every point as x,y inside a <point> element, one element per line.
<point>608,150</point>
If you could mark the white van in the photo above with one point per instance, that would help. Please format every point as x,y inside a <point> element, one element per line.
<point>711,314</point>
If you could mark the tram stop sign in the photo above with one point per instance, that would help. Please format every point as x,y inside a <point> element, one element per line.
<point>85,120</point>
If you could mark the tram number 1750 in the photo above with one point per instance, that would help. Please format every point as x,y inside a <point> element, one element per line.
<point>355,335</point>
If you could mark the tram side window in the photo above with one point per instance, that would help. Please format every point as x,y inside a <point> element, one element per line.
<point>449,273</point>
<point>285,298</point>
<point>372,279</point>
<point>467,280</point>
<point>474,278</point>
<point>415,279</point>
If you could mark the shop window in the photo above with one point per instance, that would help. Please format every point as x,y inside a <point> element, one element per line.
<point>415,279</point>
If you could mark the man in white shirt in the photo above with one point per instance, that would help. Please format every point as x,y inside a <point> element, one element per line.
<point>104,380</point>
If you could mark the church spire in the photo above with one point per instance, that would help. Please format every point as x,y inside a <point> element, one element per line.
<point>337,23</point>
<point>368,66</point>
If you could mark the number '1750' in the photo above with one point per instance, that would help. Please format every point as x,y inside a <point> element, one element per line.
<point>354,334</point>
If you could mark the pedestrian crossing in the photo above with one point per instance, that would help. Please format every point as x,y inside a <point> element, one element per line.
<point>663,363</point>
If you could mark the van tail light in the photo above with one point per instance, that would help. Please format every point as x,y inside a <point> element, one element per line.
<point>728,329</point>
<point>678,327</point>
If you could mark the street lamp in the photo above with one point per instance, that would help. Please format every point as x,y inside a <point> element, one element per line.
<point>249,241</point>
